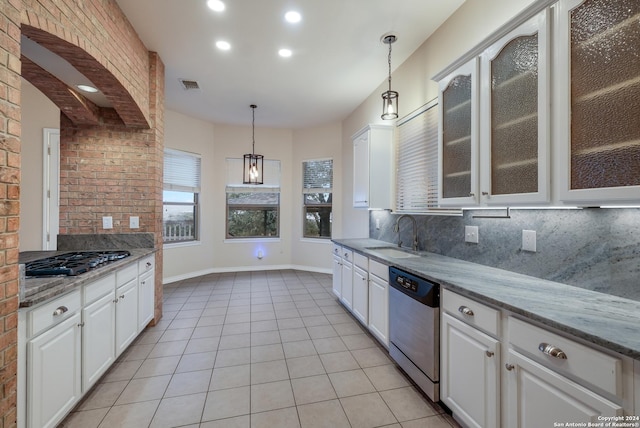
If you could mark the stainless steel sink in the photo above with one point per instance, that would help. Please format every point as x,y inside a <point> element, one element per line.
<point>392,252</point>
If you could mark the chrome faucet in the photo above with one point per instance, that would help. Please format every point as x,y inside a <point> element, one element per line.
<point>396,229</point>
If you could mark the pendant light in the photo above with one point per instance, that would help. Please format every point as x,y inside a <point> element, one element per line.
<point>389,97</point>
<point>253,164</point>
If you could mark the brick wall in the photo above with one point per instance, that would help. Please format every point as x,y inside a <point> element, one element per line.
<point>114,168</point>
<point>9,204</point>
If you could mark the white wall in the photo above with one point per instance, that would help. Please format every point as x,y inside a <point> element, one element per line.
<point>474,21</point>
<point>215,143</point>
<point>38,112</point>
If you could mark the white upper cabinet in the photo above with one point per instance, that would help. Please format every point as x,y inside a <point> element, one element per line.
<point>373,162</point>
<point>597,100</point>
<point>514,116</point>
<point>458,129</point>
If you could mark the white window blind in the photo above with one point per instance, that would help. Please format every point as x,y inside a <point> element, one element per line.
<point>181,171</point>
<point>417,161</point>
<point>317,176</point>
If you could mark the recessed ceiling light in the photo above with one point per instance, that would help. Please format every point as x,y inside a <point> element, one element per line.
<point>285,53</point>
<point>222,45</point>
<point>87,88</point>
<point>292,16</point>
<point>216,5</point>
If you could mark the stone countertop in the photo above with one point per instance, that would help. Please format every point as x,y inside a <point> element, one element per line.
<point>40,289</point>
<point>603,319</point>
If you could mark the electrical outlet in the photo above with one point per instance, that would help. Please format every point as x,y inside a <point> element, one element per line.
<point>529,240</point>
<point>107,222</point>
<point>471,234</point>
<point>134,222</point>
<point>378,224</point>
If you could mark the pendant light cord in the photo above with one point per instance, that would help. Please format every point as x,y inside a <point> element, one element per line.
<point>253,129</point>
<point>389,60</point>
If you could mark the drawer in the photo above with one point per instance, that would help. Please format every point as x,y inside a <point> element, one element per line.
<point>582,362</point>
<point>379,269</point>
<point>126,274</point>
<point>472,312</point>
<point>99,288</point>
<point>337,250</point>
<point>53,312</point>
<point>347,255</point>
<point>146,265</point>
<point>361,261</point>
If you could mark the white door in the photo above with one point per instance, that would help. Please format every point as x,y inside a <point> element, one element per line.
<point>360,294</point>
<point>126,315</point>
<point>146,302</point>
<point>379,309</point>
<point>98,339</point>
<point>469,373</point>
<point>337,276</point>
<point>347,284</point>
<point>51,188</point>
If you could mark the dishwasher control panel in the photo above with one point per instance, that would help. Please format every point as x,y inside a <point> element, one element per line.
<point>407,283</point>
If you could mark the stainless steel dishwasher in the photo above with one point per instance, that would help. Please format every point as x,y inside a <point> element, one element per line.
<point>414,328</point>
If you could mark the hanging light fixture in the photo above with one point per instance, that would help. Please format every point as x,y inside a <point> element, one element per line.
<point>253,164</point>
<point>389,97</point>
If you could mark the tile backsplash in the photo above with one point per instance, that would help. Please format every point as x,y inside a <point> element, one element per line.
<point>592,248</point>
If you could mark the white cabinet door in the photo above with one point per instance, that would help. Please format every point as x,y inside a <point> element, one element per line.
<point>98,339</point>
<point>146,299</point>
<point>360,307</point>
<point>373,167</point>
<point>53,373</point>
<point>458,137</point>
<point>346,296</point>
<point>126,315</point>
<point>539,397</point>
<point>596,109</point>
<point>514,116</point>
<point>379,309</point>
<point>336,283</point>
<point>469,367</point>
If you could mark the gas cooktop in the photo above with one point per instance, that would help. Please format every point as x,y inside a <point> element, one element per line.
<point>73,263</point>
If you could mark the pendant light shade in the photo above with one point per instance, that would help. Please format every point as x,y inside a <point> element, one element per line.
<point>389,97</point>
<point>253,164</point>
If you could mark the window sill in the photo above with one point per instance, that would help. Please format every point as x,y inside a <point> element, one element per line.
<point>316,240</point>
<point>168,245</point>
<point>249,240</point>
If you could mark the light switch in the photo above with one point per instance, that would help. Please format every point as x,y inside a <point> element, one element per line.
<point>134,222</point>
<point>107,222</point>
<point>471,234</point>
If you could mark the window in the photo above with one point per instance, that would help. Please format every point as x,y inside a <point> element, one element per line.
<point>417,161</point>
<point>180,194</point>
<point>253,211</point>
<point>317,183</point>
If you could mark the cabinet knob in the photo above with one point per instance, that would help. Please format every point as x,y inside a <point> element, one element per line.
<point>60,310</point>
<point>148,265</point>
<point>465,311</point>
<point>552,351</point>
<point>485,193</point>
<point>81,324</point>
<point>509,367</point>
<point>472,194</point>
<point>489,354</point>
<point>122,296</point>
<point>115,301</point>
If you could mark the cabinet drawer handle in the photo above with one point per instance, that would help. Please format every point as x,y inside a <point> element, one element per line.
<point>122,296</point>
<point>61,310</point>
<point>485,193</point>
<point>148,265</point>
<point>489,354</point>
<point>509,366</point>
<point>465,311</point>
<point>552,351</point>
<point>472,194</point>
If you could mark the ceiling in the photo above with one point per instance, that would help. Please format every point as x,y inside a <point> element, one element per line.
<point>337,59</point>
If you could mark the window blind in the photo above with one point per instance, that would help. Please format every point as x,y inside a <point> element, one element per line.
<point>317,176</point>
<point>181,171</point>
<point>417,161</point>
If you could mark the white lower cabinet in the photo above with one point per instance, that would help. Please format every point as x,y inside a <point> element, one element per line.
<point>146,292</point>
<point>470,367</point>
<point>379,307</point>
<point>540,397</point>
<point>126,315</point>
<point>98,352</point>
<point>336,284</point>
<point>360,306</point>
<point>54,371</point>
<point>346,295</point>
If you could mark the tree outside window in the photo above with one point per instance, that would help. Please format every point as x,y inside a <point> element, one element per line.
<point>318,195</point>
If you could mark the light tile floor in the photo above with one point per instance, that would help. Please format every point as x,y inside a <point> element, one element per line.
<point>255,349</point>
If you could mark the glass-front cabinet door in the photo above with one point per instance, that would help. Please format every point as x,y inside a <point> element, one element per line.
<point>598,99</point>
<point>458,155</point>
<point>514,124</point>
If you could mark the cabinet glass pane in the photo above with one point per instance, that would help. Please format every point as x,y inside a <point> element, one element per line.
<point>514,118</point>
<point>456,138</point>
<point>605,94</point>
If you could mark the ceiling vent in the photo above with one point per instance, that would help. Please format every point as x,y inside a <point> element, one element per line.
<point>189,85</point>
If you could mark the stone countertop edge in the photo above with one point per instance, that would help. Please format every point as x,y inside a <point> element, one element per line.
<point>38,290</point>
<point>605,320</point>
